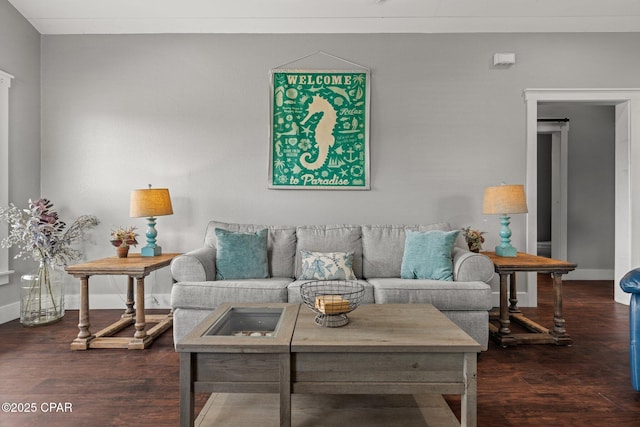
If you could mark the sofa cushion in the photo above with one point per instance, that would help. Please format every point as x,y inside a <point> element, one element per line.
<point>443,295</point>
<point>327,265</point>
<point>209,295</point>
<point>330,238</point>
<point>241,255</point>
<point>427,255</point>
<point>281,244</point>
<point>383,247</point>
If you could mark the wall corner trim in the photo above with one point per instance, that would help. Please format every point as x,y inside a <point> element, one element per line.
<point>5,78</point>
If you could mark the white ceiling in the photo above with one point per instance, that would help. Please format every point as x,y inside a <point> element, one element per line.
<point>328,16</point>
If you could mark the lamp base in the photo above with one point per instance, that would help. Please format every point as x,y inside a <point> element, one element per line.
<point>506,251</point>
<point>151,251</point>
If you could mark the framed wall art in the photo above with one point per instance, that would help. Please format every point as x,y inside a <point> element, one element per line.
<point>319,130</point>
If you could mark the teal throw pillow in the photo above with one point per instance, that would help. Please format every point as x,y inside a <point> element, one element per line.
<point>427,255</point>
<point>327,265</point>
<point>241,255</point>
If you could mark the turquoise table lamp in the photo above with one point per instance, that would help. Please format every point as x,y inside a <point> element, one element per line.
<point>150,203</point>
<point>504,200</point>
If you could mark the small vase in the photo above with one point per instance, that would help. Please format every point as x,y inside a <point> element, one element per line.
<point>42,296</point>
<point>122,252</point>
<point>474,246</point>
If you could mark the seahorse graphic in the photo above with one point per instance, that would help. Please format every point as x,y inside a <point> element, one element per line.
<point>324,131</point>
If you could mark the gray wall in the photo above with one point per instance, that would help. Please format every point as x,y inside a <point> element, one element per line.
<point>20,57</point>
<point>190,112</point>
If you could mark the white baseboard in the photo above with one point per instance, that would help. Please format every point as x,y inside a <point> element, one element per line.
<point>589,274</point>
<point>115,301</point>
<point>9,312</point>
<point>523,299</point>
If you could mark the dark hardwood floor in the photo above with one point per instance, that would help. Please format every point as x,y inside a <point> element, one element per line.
<point>586,384</point>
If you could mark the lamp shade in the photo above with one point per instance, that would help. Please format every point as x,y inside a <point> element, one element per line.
<point>150,202</point>
<point>504,199</point>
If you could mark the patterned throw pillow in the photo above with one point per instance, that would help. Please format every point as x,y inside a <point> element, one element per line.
<point>327,265</point>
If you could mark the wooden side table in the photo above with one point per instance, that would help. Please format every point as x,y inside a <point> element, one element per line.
<point>134,267</point>
<point>507,267</point>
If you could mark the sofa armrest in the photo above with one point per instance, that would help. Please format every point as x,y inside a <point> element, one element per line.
<point>470,266</point>
<point>195,266</point>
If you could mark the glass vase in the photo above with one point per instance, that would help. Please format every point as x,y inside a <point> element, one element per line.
<point>42,296</point>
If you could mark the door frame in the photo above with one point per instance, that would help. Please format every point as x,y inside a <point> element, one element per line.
<point>559,132</point>
<point>627,174</point>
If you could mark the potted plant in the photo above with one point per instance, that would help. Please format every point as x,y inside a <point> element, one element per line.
<point>473,238</point>
<point>40,235</point>
<point>122,238</point>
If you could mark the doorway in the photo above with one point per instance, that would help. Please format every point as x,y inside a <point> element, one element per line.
<point>553,155</point>
<point>627,194</point>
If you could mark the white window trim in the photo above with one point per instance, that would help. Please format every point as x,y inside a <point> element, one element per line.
<point>5,84</point>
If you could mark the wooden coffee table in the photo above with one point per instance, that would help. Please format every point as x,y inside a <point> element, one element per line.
<point>385,349</point>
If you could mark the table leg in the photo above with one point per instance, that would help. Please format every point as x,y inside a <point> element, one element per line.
<point>513,294</point>
<point>84,322</point>
<point>140,320</point>
<point>469,401</point>
<point>285,390</point>
<point>81,342</point>
<point>128,312</point>
<point>504,311</point>
<point>558,320</point>
<point>187,407</point>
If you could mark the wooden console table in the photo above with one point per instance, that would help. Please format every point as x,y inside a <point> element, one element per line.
<point>507,267</point>
<point>135,266</point>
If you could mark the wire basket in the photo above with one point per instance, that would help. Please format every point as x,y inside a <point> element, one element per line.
<point>331,300</point>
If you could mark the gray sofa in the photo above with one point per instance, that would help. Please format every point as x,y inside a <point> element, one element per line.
<point>378,254</point>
